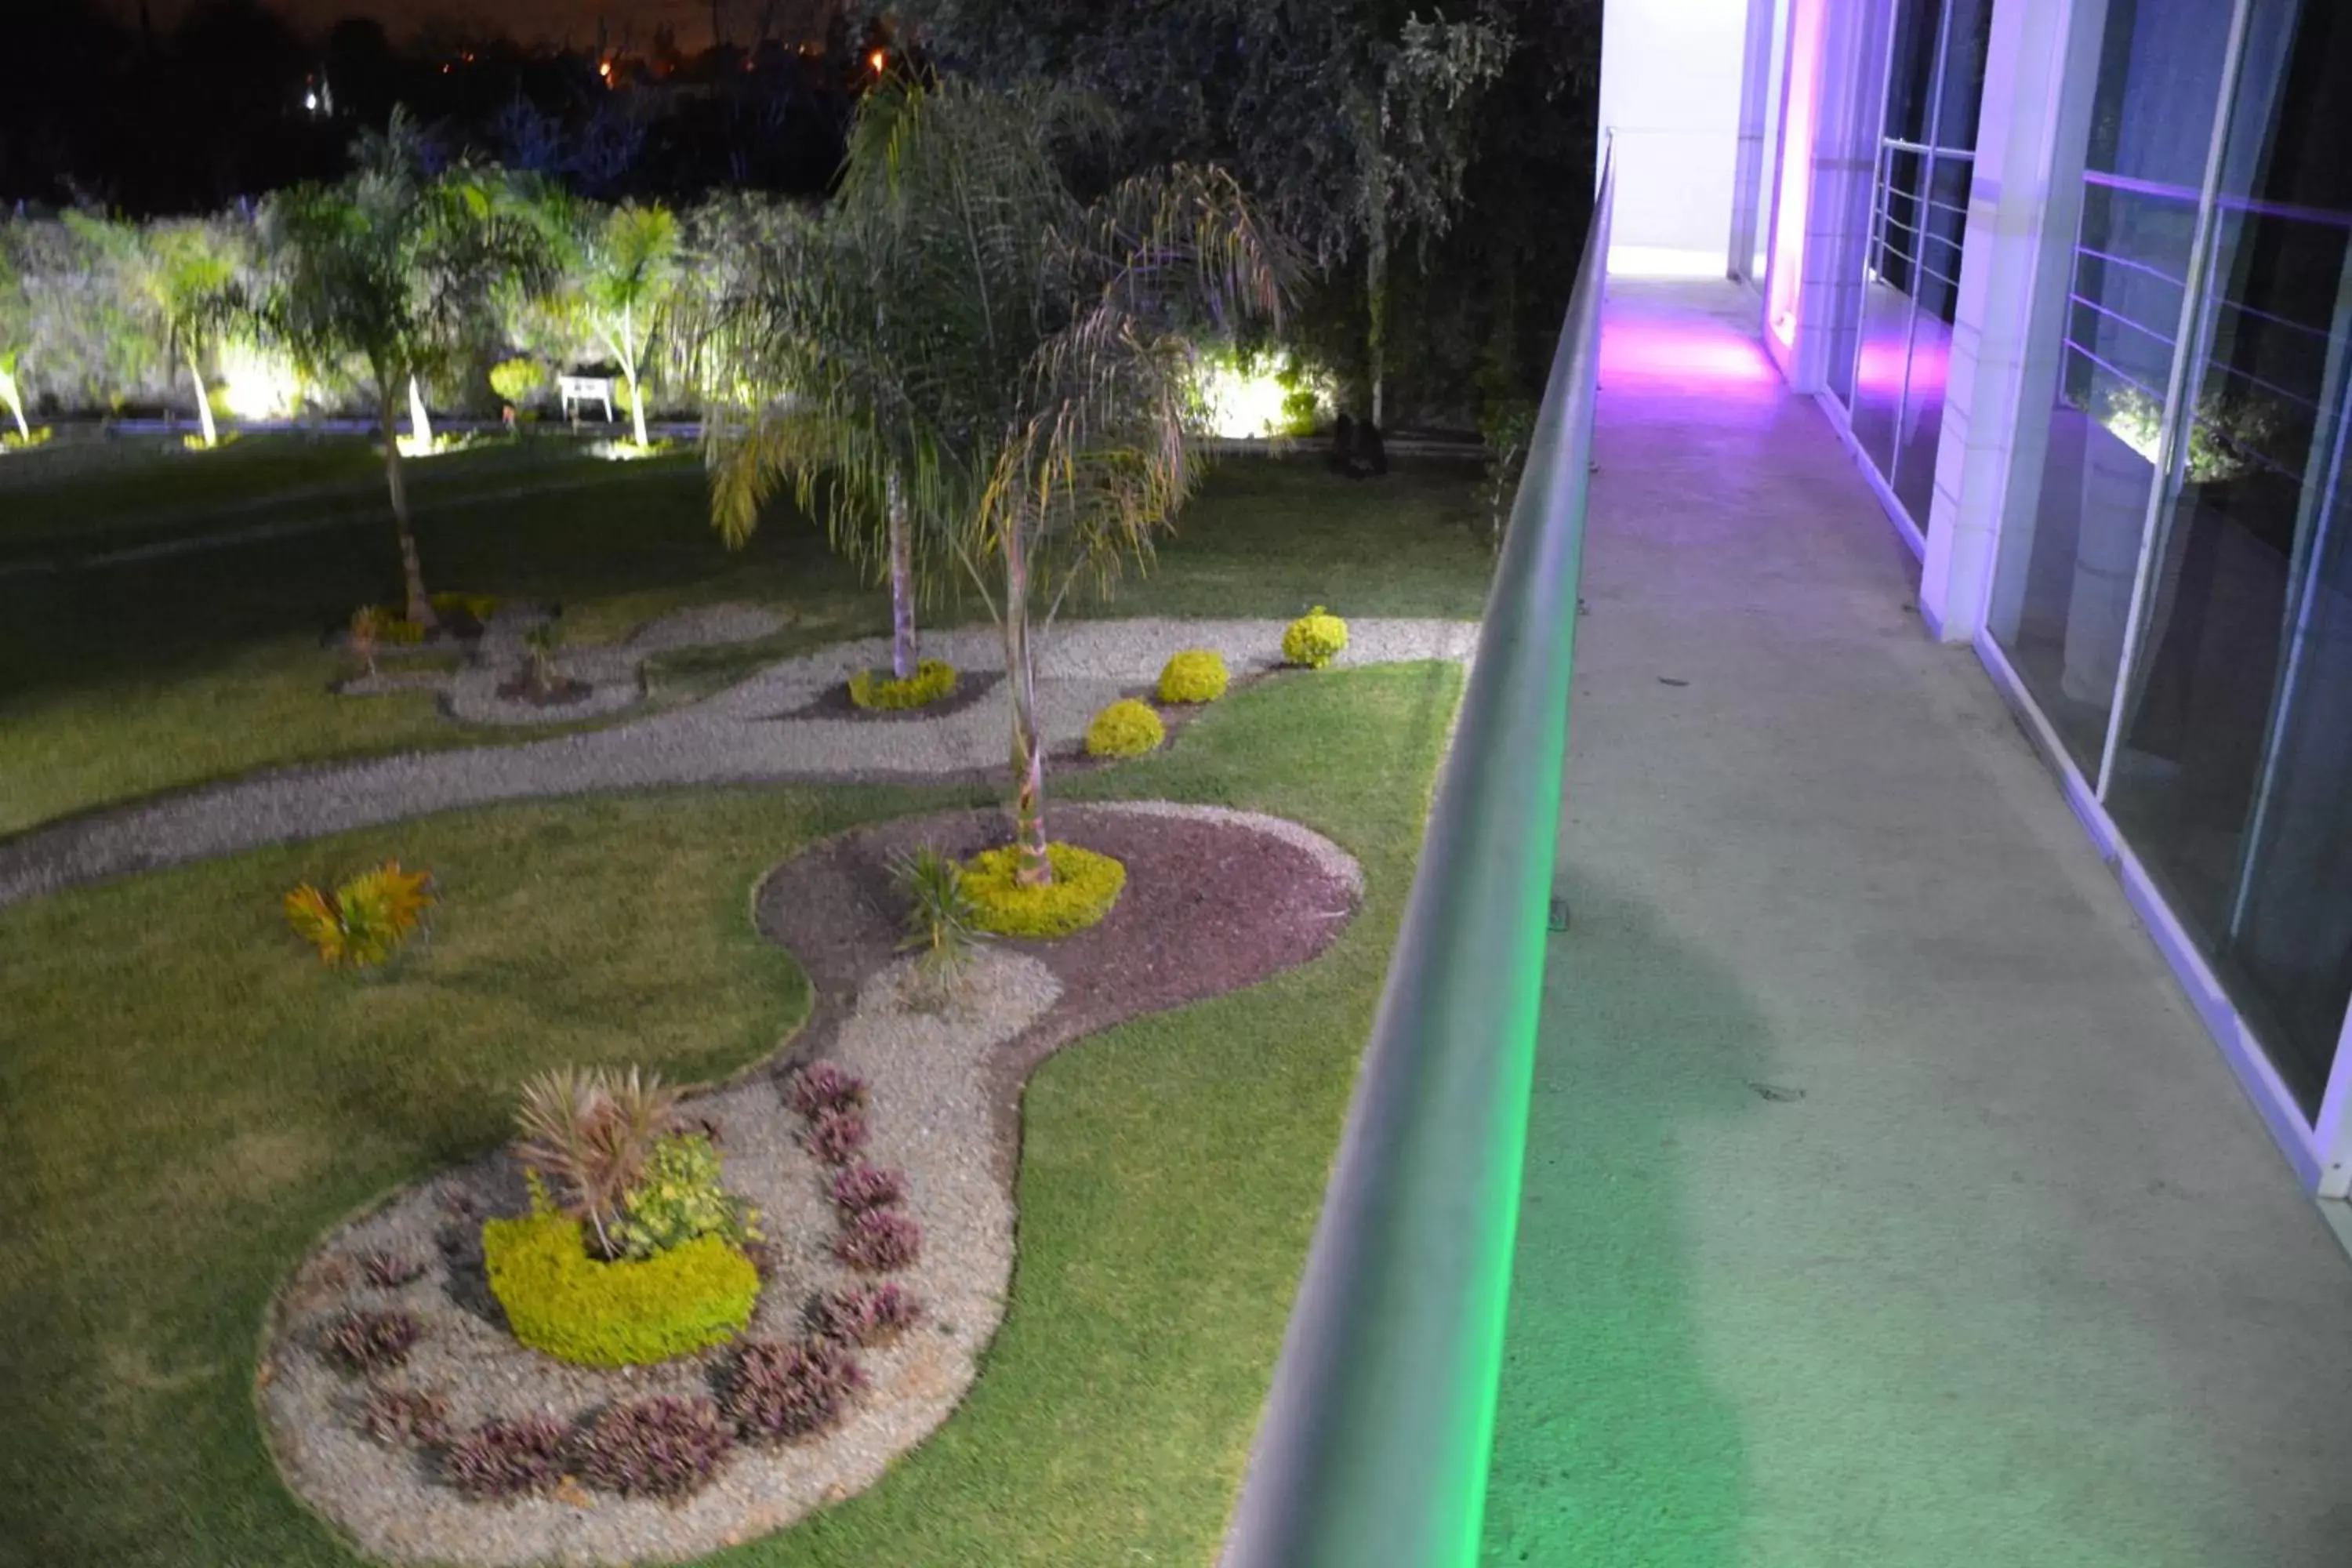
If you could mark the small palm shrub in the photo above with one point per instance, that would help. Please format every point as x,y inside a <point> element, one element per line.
<point>1085,888</point>
<point>508,1458</point>
<point>941,929</point>
<point>1196,675</point>
<point>835,1137</point>
<point>361,923</point>
<point>518,381</point>
<point>864,1316</point>
<point>394,1416</point>
<point>591,1133</point>
<point>1125,728</point>
<point>663,1448</point>
<point>369,1342</point>
<point>390,1270</point>
<point>1315,638</point>
<point>775,1393</point>
<point>879,1241</point>
<point>542,643</point>
<point>821,1087</point>
<point>367,636</point>
<point>863,1187</point>
<point>679,1199</point>
<point>934,680</point>
<point>581,1309</point>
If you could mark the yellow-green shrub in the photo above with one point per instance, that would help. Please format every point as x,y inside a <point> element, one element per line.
<point>578,1308</point>
<point>1196,675</point>
<point>1315,638</point>
<point>1125,728</point>
<point>361,922</point>
<point>480,606</point>
<point>933,680</point>
<point>1084,887</point>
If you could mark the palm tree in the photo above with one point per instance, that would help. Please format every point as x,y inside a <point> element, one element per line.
<point>1040,350</point>
<point>179,279</point>
<point>15,329</point>
<point>400,268</point>
<point>624,268</point>
<point>796,358</point>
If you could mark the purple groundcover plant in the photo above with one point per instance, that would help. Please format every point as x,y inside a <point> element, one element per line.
<point>861,1187</point>
<point>821,1087</point>
<point>865,1315</point>
<point>835,1137</point>
<point>879,1241</point>
<point>508,1458</point>
<point>662,1448</point>
<point>776,1392</point>
<point>370,1341</point>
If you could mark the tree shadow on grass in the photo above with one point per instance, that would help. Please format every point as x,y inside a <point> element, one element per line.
<point>1612,1447</point>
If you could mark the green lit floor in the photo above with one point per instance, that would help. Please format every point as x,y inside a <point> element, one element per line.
<point>1887,1204</point>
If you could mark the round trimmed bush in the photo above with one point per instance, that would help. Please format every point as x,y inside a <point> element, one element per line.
<point>1085,888</point>
<point>1196,675</point>
<point>1125,728</point>
<point>1315,638</point>
<point>579,1309</point>
<point>933,680</point>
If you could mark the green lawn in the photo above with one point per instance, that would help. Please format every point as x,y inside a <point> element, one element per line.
<point>186,1101</point>
<point>121,681</point>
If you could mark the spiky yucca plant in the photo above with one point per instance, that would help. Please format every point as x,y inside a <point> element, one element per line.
<point>590,1132</point>
<point>943,929</point>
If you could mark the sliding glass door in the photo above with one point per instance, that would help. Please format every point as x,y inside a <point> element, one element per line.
<point>2174,585</point>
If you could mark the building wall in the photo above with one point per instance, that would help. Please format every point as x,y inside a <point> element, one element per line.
<point>1671,76</point>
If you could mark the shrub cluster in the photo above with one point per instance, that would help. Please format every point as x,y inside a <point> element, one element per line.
<point>505,1458</point>
<point>1085,888</point>
<point>579,1309</point>
<point>879,1241</point>
<point>394,1417</point>
<point>1126,729</point>
<point>1196,675</point>
<point>364,921</point>
<point>933,680</point>
<point>775,1393</point>
<point>865,1315</point>
<point>835,1137</point>
<point>677,1198</point>
<point>662,1448</point>
<point>824,1085</point>
<point>370,1341</point>
<point>863,1187</point>
<point>390,1270</point>
<point>1315,638</point>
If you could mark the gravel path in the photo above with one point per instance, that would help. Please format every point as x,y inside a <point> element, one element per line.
<point>752,732</point>
<point>1223,899</point>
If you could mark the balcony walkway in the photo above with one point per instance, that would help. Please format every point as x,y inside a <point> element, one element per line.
<point>1887,1203</point>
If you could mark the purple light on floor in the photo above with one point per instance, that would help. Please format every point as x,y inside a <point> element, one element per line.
<point>1793,204</point>
<point>1700,356</point>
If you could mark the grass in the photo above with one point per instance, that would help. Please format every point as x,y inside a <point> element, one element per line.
<point>186,1101</point>
<point>133,679</point>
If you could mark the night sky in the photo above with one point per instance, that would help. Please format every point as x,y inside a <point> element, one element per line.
<point>629,24</point>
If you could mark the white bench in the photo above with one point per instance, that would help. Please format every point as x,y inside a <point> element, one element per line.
<point>576,390</point>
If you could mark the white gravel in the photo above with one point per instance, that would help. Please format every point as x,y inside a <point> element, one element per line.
<point>930,1118</point>
<point>745,734</point>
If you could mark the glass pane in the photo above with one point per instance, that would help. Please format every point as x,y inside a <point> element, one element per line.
<point>2084,463</point>
<point>2246,553</point>
<point>1892,261</point>
<point>1771,124</point>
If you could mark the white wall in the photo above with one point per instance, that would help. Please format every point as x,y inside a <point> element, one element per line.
<point>1670,74</point>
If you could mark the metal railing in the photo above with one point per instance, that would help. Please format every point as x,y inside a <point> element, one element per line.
<point>1377,1432</point>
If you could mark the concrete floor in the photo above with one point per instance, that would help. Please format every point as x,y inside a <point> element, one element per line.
<point>1887,1203</point>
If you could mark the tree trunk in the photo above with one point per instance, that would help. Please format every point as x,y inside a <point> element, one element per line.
<point>905,653</point>
<point>629,368</point>
<point>1035,870</point>
<point>1376,302</point>
<point>412,572</point>
<point>420,425</point>
<point>203,399</point>
<point>16,401</point>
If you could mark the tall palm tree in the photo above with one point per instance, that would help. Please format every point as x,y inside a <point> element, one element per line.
<point>399,268</point>
<point>1039,351</point>
<point>623,267</point>
<point>178,279</point>
<point>797,359</point>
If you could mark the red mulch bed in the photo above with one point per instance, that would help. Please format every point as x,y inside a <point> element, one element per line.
<point>1209,907</point>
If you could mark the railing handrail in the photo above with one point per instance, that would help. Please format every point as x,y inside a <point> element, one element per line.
<point>1374,1448</point>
